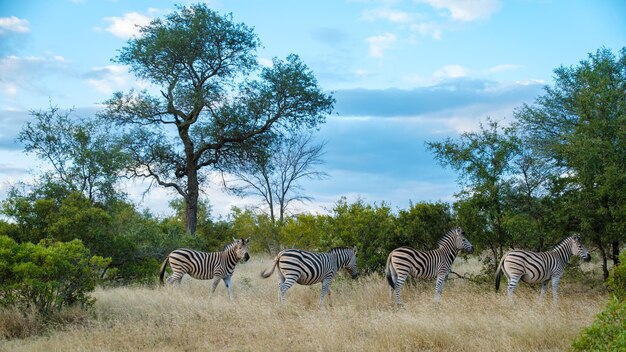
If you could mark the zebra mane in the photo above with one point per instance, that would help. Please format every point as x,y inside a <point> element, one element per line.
<point>563,241</point>
<point>446,237</point>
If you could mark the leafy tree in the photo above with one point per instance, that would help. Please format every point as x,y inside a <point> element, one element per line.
<point>83,156</point>
<point>579,124</point>
<point>369,227</point>
<point>422,225</point>
<point>483,160</point>
<point>214,105</point>
<point>274,175</point>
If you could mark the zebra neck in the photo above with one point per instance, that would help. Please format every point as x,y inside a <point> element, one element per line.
<point>230,259</point>
<point>338,260</point>
<point>562,253</point>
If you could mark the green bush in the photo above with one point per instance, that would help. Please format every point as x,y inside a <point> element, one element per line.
<point>47,276</point>
<point>608,331</point>
<point>617,279</point>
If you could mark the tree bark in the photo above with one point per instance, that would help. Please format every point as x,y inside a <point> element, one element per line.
<point>191,213</point>
<point>615,253</point>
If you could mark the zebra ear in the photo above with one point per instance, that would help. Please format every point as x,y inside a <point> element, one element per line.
<point>355,250</point>
<point>247,240</point>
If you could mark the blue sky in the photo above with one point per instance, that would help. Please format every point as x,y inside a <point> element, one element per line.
<point>403,73</point>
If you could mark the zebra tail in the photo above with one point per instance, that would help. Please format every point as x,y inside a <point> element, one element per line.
<point>499,273</point>
<point>162,273</point>
<point>265,274</point>
<point>388,273</point>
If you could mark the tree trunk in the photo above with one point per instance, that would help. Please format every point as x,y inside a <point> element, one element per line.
<point>605,270</point>
<point>615,253</point>
<point>191,211</point>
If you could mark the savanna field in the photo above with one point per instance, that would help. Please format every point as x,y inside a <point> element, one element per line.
<point>471,317</point>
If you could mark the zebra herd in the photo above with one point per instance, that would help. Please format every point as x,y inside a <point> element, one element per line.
<point>308,268</point>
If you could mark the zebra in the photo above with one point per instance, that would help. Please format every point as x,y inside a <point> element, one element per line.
<point>308,268</point>
<point>540,267</point>
<point>405,261</point>
<point>205,266</point>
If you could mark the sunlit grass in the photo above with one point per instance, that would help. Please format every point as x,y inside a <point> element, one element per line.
<point>189,318</point>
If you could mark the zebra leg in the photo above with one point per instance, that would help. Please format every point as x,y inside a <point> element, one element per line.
<point>229,287</point>
<point>544,286</point>
<point>325,290</point>
<point>555,286</point>
<point>399,283</point>
<point>284,286</point>
<point>216,281</point>
<point>513,281</point>
<point>175,278</point>
<point>441,280</point>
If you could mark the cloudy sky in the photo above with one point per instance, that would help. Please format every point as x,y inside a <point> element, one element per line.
<point>402,72</point>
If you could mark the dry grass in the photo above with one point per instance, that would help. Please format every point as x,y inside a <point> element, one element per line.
<point>187,318</point>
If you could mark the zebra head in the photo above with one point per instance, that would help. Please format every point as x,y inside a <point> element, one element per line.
<point>346,258</point>
<point>240,246</point>
<point>579,250</point>
<point>460,242</point>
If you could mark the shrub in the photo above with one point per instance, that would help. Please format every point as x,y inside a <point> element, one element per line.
<point>617,279</point>
<point>47,276</point>
<point>608,331</point>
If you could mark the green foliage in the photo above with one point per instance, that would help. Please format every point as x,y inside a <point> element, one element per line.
<point>608,331</point>
<point>47,276</point>
<point>617,279</point>
<point>216,106</point>
<point>83,156</point>
<point>368,227</point>
<point>578,127</point>
<point>375,230</point>
<point>484,161</point>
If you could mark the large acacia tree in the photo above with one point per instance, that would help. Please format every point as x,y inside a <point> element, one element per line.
<point>213,102</point>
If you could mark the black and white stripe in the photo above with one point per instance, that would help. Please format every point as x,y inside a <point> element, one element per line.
<point>405,261</point>
<point>539,267</point>
<point>308,268</point>
<point>205,266</point>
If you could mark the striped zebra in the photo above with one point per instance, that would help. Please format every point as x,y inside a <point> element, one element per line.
<point>308,268</point>
<point>539,267</point>
<point>436,263</point>
<point>205,266</point>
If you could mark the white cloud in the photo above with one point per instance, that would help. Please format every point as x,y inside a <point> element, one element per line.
<point>465,10</point>
<point>380,43</point>
<point>430,29</point>
<point>126,26</point>
<point>532,81</point>
<point>451,71</point>
<point>13,24</point>
<point>501,68</point>
<point>26,72</point>
<point>110,78</point>
<point>395,16</point>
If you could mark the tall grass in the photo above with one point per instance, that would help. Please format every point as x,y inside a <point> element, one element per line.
<point>188,318</point>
